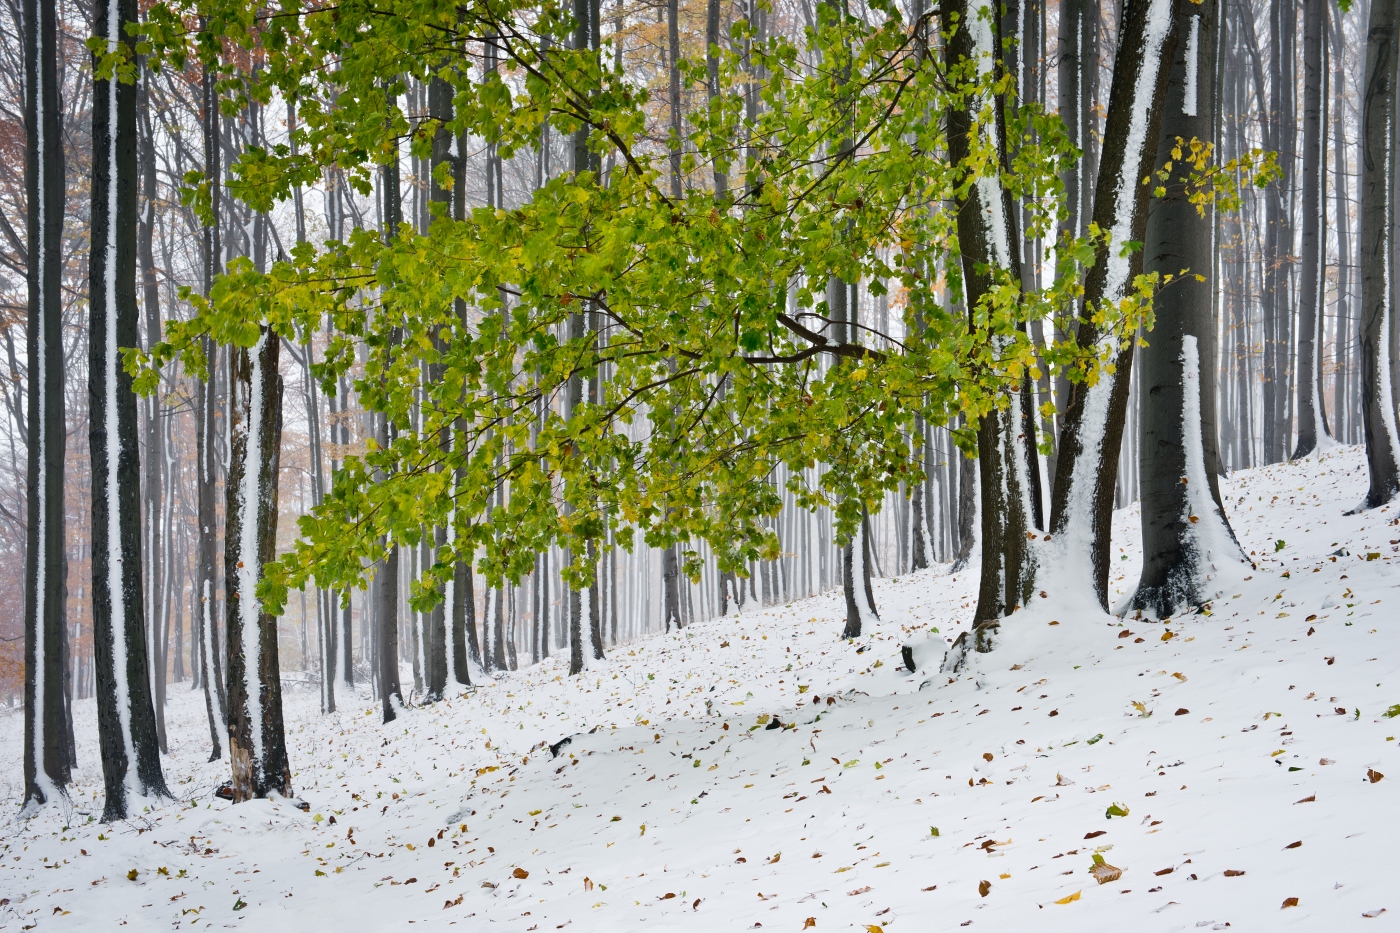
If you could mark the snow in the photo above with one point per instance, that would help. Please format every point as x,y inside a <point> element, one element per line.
<point>1189,92</point>
<point>831,819</point>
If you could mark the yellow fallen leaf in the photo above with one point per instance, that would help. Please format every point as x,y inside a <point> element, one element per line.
<point>874,928</point>
<point>1070,899</point>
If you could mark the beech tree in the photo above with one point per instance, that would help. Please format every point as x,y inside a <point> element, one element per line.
<point>48,725</point>
<point>1187,544</point>
<point>1377,255</point>
<point>126,718</point>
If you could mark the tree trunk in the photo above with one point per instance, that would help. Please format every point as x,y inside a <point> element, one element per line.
<point>988,241</point>
<point>1377,250</point>
<point>257,745</point>
<point>47,722</point>
<point>1186,538</point>
<point>206,431</point>
<point>1082,506</point>
<point>126,719</point>
<point>1314,241</point>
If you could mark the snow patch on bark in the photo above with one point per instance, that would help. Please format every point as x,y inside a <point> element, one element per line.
<point>248,565</point>
<point>1188,100</point>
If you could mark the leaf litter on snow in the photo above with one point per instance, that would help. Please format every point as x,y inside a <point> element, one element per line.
<point>459,813</point>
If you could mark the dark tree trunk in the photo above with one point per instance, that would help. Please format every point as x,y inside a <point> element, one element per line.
<point>257,744</point>
<point>206,430</point>
<point>48,725</point>
<point>1082,506</point>
<point>989,241</point>
<point>1314,241</point>
<point>1186,537</point>
<point>126,719</point>
<point>712,50</point>
<point>1378,115</point>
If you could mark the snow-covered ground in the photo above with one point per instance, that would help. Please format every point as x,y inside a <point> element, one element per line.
<point>1245,753</point>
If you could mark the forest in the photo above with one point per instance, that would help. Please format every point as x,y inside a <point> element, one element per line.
<point>482,383</point>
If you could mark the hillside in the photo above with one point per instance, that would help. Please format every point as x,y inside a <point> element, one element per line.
<point>1246,749</point>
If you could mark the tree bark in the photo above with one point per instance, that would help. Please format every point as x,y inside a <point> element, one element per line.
<point>1082,505</point>
<point>1186,538</point>
<point>1313,246</point>
<point>126,719</point>
<point>257,745</point>
<point>1377,249</point>
<point>47,720</point>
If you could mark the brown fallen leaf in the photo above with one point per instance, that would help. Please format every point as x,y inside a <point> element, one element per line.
<point>932,887</point>
<point>520,873</point>
<point>1326,761</point>
<point>857,891</point>
<point>1182,711</point>
<point>987,756</point>
<point>1374,775</point>
<point>1095,834</point>
<point>1164,871</point>
<point>1104,873</point>
<point>774,859</point>
<point>587,884</point>
<point>811,922</point>
<point>984,888</point>
<point>1294,845</point>
<point>667,896</point>
<point>1311,798</point>
<point>1289,902</point>
<point>1233,873</point>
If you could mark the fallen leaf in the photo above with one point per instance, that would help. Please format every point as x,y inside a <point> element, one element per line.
<point>1069,899</point>
<point>874,928</point>
<point>1374,775</point>
<point>1164,871</point>
<point>1095,834</point>
<point>521,873</point>
<point>1372,914</point>
<point>984,888</point>
<point>1182,711</point>
<point>1289,902</point>
<point>667,896</point>
<point>1311,798</point>
<point>1294,845</point>
<point>811,922</point>
<point>858,891</point>
<point>1233,873</point>
<point>774,859</point>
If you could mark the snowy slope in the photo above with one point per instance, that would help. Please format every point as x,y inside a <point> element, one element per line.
<point>1245,732</point>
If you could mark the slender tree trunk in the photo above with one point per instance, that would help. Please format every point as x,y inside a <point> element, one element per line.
<point>1313,246</point>
<point>206,431</point>
<point>1082,507</point>
<point>1378,117</point>
<point>47,719</point>
<point>126,719</point>
<point>1186,538</point>
<point>1341,409</point>
<point>712,37</point>
<point>257,744</point>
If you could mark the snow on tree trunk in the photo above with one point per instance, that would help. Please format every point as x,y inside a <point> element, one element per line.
<point>1082,505</point>
<point>47,762</point>
<point>257,745</point>
<point>125,717</point>
<point>1189,550</point>
<point>855,581</point>
<point>1378,116</point>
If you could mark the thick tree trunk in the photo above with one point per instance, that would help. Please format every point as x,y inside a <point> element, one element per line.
<point>126,719</point>
<point>1314,241</point>
<point>855,581</point>
<point>1082,505</point>
<point>1186,538</point>
<point>1377,259</point>
<point>47,720</point>
<point>257,744</point>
